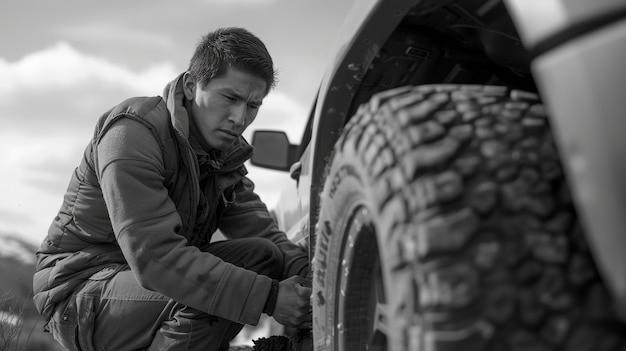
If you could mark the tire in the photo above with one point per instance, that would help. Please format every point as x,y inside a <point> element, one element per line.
<point>446,224</point>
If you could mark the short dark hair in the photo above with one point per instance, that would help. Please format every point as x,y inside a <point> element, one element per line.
<point>234,47</point>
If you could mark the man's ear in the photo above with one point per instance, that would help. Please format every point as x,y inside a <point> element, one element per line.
<point>189,86</point>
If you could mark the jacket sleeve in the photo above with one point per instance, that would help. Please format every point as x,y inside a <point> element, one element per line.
<point>146,224</point>
<point>248,216</point>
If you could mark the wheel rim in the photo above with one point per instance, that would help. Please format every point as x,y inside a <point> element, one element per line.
<point>362,317</point>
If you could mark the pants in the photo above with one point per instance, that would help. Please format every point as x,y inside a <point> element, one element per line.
<point>111,311</point>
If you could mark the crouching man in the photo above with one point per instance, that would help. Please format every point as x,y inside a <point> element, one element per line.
<point>128,262</point>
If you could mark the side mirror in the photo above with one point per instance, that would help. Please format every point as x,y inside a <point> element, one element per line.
<point>272,150</point>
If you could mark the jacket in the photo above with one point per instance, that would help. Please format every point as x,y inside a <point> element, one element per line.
<point>133,200</point>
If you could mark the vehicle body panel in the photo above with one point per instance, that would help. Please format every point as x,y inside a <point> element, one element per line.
<point>538,20</point>
<point>292,209</point>
<point>360,45</point>
<point>583,84</point>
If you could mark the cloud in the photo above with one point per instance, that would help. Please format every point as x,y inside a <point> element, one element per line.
<point>61,66</point>
<point>241,3</point>
<point>37,168</point>
<point>117,35</point>
<point>60,88</point>
<point>51,99</point>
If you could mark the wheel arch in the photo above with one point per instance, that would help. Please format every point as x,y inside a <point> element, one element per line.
<point>380,37</point>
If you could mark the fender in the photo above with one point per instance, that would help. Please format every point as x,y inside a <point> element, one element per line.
<point>359,42</point>
<point>579,69</point>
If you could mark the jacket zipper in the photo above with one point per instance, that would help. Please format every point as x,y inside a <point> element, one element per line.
<point>192,165</point>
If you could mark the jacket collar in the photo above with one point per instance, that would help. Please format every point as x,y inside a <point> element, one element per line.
<point>239,152</point>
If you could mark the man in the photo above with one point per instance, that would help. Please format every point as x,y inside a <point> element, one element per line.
<point>128,263</point>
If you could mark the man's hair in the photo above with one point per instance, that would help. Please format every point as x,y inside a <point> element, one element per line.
<point>234,47</point>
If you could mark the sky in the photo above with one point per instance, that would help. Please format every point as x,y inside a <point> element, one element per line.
<point>64,62</point>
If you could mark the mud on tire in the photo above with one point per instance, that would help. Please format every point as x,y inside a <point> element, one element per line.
<point>446,224</point>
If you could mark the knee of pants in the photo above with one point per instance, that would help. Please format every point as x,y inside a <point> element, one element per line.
<point>269,259</point>
<point>190,329</point>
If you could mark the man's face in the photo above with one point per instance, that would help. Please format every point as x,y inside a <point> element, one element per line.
<point>226,106</point>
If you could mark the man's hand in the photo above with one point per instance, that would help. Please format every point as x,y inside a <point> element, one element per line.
<point>293,304</point>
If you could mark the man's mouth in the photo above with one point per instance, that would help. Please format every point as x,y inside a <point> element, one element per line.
<point>230,132</point>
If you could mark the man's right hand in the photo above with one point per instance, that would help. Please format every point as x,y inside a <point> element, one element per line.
<point>293,304</point>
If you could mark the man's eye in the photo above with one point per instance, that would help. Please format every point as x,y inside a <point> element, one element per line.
<point>229,98</point>
<point>253,106</point>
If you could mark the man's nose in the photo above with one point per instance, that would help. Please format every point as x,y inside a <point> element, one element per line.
<point>238,114</point>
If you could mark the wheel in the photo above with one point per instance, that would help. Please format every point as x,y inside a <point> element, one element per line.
<point>446,224</point>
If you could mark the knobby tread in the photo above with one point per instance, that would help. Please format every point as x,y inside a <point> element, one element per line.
<point>480,239</point>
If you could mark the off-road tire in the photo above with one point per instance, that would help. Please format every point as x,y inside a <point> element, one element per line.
<point>446,224</point>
